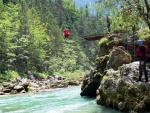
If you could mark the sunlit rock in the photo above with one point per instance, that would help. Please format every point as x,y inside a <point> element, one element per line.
<point>18,88</point>
<point>118,57</point>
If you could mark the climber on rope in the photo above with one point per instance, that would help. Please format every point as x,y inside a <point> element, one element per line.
<point>129,10</point>
<point>66,32</point>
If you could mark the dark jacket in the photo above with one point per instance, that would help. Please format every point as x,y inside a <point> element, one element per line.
<point>142,53</point>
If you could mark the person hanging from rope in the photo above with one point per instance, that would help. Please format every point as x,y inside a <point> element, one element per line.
<point>129,10</point>
<point>142,53</point>
<point>66,32</point>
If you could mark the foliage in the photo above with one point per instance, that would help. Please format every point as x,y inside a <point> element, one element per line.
<point>31,38</point>
<point>31,33</point>
<point>105,77</point>
<point>103,40</point>
<point>144,34</point>
<point>76,75</point>
<point>42,75</point>
<point>125,14</point>
<point>9,75</point>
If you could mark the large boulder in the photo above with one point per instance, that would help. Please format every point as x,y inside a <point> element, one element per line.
<point>101,63</point>
<point>121,91</point>
<point>115,59</point>
<point>6,90</point>
<point>7,87</point>
<point>18,88</point>
<point>118,57</point>
<point>91,83</point>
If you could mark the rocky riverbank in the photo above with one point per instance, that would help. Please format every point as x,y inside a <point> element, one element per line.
<point>33,83</point>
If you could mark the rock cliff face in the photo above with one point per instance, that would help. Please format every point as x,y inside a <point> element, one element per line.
<point>91,81</point>
<point>121,91</point>
<point>117,57</point>
<point>113,82</point>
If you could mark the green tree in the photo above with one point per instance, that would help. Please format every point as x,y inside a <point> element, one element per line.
<point>126,13</point>
<point>9,30</point>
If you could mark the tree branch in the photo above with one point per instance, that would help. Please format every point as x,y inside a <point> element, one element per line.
<point>147,5</point>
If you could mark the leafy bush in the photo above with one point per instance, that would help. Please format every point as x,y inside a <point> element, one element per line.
<point>42,75</point>
<point>9,75</point>
<point>77,75</point>
<point>144,34</point>
<point>105,77</point>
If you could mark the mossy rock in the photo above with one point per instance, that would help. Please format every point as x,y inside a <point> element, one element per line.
<point>14,92</point>
<point>98,76</point>
<point>74,82</point>
<point>101,63</point>
<point>120,97</point>
<point>105,77</point>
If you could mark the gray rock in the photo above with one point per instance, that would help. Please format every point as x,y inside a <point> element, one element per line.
<point>121,91</point>
<point>1,87</point>
<point>18,88</point>
<point>31,77</point>
<point>2,93</point>
<point>118,57</point>
<point>6,90</point>
<point>23,91</point>
<point>14,91</point>
<point>58,77</point>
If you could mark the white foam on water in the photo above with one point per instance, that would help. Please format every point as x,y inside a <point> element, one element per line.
<point>66,108</point>
<point>1,101</point>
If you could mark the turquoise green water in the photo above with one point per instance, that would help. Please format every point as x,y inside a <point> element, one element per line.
<point>66,100</point>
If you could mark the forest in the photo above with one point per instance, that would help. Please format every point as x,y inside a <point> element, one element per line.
<point>31,33</point>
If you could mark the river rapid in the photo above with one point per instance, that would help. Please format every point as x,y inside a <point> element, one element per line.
<point>66,100</point>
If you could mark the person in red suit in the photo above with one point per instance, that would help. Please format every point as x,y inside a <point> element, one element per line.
<point>142,53</point>
<point>66,32</point>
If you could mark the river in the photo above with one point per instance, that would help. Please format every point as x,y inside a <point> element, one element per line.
<point>67,100</point>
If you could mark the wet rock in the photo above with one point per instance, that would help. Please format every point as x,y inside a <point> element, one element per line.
<point>73,82</point>
<point>32,89</point>
<point>23,91</point>
<point>6,90</point>
<point>90,84</point>
<point>113,61</point>
<point>2,93</point>
<point>18,88</point>
<point>92,80</point>
<point>1,87</point>
<point>14,91</point>
<point>61,86</point>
